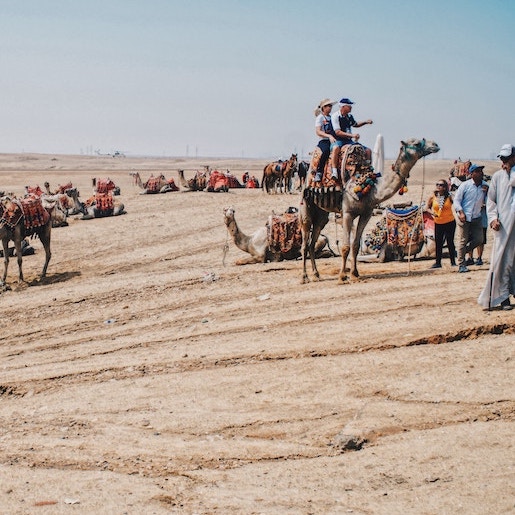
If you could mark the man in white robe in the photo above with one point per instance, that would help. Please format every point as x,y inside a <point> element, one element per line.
<point>500,283</point>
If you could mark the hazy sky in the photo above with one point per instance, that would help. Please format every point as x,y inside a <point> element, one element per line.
<point>241,78</point>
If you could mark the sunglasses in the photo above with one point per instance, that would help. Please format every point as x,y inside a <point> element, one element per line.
<point>440,184</point>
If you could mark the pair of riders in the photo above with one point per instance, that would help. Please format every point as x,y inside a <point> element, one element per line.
<point>335,131</point>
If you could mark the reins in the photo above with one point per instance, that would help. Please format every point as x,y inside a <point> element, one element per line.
<point>420,216</point>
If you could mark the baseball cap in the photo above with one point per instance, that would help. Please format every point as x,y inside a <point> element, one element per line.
<point>346,101</point>
<point>475,167</point>
<point>506,151</point>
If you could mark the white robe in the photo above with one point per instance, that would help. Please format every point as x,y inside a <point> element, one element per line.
<point>499,205</point>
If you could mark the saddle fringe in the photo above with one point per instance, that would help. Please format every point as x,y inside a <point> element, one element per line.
<point>329,199</point>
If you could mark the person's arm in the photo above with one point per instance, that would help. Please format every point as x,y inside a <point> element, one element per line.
<point>364,122</point>
<point>491,207</point>
<point>458,197</point>
<point>429,205</point>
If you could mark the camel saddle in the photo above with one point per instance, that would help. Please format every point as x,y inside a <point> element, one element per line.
<point>153,185</point>
<point>104,204</point>
<point>404,226</point>
<point>351,160</point>
<point>284,232</point>
<point>104,185</point>
<point>30,207</point>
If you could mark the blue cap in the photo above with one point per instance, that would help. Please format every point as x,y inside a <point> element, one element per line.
<point>475,167</point>
<point>346,101</point>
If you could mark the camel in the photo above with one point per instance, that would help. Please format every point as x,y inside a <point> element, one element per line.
<point>317,203</point>
<point>279,175</point>
<point>13,228</point>
<point>102,205</point>
<point>259,246</point>
<point>157,184</point>
<point>197,183</point>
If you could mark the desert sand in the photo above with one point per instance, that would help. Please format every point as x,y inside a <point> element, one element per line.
<point>148,374</point>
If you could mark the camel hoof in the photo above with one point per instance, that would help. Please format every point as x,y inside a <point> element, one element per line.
<point>305,280</point>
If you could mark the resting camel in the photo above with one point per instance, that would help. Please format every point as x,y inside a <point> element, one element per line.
<point>157,184</point>
<point>279,175</point>
<point>258,244</point>
<point>197,183</point>
<point>13,229</point>
<point>317,203</point>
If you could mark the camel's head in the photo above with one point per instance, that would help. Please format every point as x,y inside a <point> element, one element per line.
<point>412,150</point>
<point>419,147</point>
<point>228,215</point>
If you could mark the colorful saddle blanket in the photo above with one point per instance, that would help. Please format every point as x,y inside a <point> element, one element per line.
<point>284,232</point>
<point>404,226</point>
<point>104,202</point>
<point>31,208</point>
<point>153,185</point>
<point>104,185</point>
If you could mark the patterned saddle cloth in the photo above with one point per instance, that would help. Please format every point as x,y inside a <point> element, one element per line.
<point>352,164</point>
<point>30,207</point>
<point>284,232</point>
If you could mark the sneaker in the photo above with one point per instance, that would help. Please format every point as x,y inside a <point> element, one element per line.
<point>479,262</point>
<point>505,304</point>
<point>469,261</point>
<point>318,177</point>
<point>462,269</point>
<point>334,175</point>
<point>436,265</point>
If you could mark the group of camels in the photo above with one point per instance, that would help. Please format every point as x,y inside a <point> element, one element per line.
<point>39,210</point>
<point>313,214</point>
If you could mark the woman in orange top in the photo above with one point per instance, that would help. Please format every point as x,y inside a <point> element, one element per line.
<point>440,205</point>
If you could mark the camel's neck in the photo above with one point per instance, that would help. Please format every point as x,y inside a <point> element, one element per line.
<point>390,183</point>
<point>240,240</point>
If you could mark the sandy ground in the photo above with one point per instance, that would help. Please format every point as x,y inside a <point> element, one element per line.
<point>131,382</point>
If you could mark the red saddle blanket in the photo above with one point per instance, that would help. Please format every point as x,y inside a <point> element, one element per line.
<point>104,201</point>
<point>104,185</point>
<point>153,185</point>
<point>31,208</point>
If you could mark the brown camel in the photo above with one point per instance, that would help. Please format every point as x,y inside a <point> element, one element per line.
<point>263,247</point>
<point>13,228</point>
<point>317,203</point>
<point>197,183</point>
<point>157,184</point>
<point>278,176</point>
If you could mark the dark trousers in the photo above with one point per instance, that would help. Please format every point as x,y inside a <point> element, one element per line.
<point>325,146</point>
<point>445,232</point>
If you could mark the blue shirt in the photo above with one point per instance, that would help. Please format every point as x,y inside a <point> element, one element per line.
<point>469,198</point>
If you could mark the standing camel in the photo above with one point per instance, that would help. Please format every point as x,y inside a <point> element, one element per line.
<point>317,203</point>
<point>14,228</point>
<point>279,174</point>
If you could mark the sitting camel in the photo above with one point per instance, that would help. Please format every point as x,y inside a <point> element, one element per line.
<point>153,185</point>
<point>264,245</point>
<point>196,183</point>
<point>22,218</point>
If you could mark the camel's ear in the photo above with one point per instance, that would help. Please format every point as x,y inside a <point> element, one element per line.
<point>403,143</point>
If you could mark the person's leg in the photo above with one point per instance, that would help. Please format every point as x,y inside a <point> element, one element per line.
<point>450,229</point>
<point>462,229</point>
<point>480,248</point>
<point>439,234</point>
<point>325,147</point>
<point>336,151</point>
<point>475,235</point>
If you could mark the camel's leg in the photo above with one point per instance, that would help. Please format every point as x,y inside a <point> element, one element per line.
<point>362,223</point>
<point>5,246</point>
<point>44,236</point>
<point>250,260</point>
<point>345,249</point>
<point>19,257</point>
